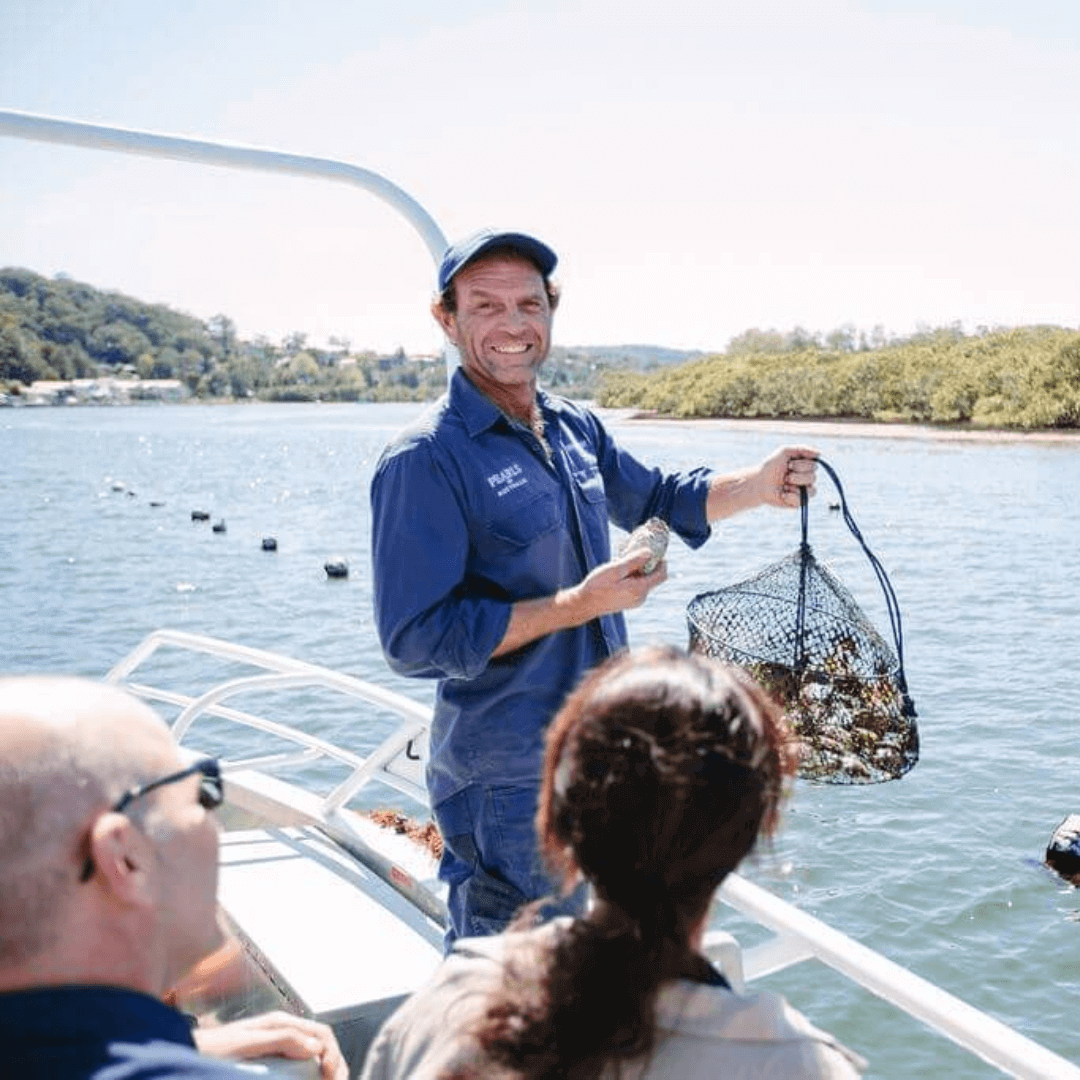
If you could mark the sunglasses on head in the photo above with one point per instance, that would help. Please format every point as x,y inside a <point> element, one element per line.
<point>211,795</point>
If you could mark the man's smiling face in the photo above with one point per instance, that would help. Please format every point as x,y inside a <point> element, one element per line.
<point>502,325</point>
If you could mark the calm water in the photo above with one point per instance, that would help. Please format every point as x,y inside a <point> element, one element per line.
<point>938,871</point>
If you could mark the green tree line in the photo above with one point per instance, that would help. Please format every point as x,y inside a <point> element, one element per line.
<point>1027,377</point>
<point>63,329</point>
<point>59,329</point>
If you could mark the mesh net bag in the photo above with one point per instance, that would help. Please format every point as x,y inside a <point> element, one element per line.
<point>799,632</point>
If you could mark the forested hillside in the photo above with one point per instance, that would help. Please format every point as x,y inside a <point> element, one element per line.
<point>62,329</point>
<point>1027,378</point>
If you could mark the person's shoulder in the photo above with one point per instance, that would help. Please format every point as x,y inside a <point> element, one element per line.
<point>417,1041</point>
<point>429,432</point>
<point>762,1024</point>
<point>475,965</point>
<point>564,405</point>
<point>424,426</point>
<point>64,1030</point>
<point>515,938</point>
<point>576,415</point>
<point>764,1015</point>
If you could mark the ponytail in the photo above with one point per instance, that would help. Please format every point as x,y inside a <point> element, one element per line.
<point>660,770</point>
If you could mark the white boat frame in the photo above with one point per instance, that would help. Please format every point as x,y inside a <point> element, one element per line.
<point>50,129</point>
<point>796,935</point>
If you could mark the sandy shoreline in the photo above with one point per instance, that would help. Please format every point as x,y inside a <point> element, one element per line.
<point>848,428</point>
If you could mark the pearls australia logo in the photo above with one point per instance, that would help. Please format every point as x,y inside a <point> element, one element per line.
<point>505,480</point>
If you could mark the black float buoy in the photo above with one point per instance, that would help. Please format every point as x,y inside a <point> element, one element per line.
<point>219,526</point>
<point>1063,851</point>
<point>336,568</point>
<point>269,543</point>
<point>199,515</point>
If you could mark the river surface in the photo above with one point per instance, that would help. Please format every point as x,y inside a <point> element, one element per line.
<point>939,871</point>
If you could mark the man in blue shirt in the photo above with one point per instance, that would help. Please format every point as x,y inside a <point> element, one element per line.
<point>492,563</point>
<point>109,851</point>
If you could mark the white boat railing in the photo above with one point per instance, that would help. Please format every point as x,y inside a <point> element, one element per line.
<point>797,936</point>
<point>800,936</point>
<point>284,673</point>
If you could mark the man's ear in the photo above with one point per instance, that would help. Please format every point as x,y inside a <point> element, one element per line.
<point>122,857</point>
<point>445,319</point>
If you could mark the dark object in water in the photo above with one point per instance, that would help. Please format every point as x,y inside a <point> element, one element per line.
<point>219,526</point>
<point>269,543</point>
<point>199,515</point>
<point>1063,851</point>
<point>336,568</point>
<point>799,632</point>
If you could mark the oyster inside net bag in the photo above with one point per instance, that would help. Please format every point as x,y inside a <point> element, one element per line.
<point>799,632</point>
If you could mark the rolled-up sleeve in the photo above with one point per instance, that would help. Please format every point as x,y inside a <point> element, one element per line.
<point>429,625</point>
<point>636,492</point>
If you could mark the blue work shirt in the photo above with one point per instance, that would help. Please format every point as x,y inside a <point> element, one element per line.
<point>99,1033</point>
<point>469,516</point>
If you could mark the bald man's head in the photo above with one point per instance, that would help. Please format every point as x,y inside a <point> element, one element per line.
<point>68,749</point>
<point>77,711</point>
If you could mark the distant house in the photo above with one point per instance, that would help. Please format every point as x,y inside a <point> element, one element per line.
<point>63,392</point>
<point>103,391</point>
<point>168,390</point>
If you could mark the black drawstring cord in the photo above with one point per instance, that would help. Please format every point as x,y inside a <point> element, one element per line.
<point>804,572</point>
<point>891,602</point>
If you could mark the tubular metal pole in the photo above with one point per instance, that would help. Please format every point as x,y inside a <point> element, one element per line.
<point>22,125</point>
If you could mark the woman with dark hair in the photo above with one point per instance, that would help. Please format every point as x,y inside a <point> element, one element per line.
<point>660,772</point>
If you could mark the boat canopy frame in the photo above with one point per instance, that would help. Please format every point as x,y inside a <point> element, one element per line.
<point>23,125</point>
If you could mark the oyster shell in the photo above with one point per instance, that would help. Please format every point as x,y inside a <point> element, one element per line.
<point>653,536</point>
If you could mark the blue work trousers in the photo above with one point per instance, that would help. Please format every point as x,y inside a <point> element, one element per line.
<point>490,860</point>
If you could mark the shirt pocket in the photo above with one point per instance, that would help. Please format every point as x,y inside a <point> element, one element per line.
<point>584,469</point>
<point>590,498</point>
<point>589,482</point>
<point>525,521</point>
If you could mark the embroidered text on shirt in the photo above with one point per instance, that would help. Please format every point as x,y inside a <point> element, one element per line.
<point>507,480</point>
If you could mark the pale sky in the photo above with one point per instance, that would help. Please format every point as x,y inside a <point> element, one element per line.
<point>700,167</point>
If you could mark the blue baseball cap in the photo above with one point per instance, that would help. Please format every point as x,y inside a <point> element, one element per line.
<point>464,251</point>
